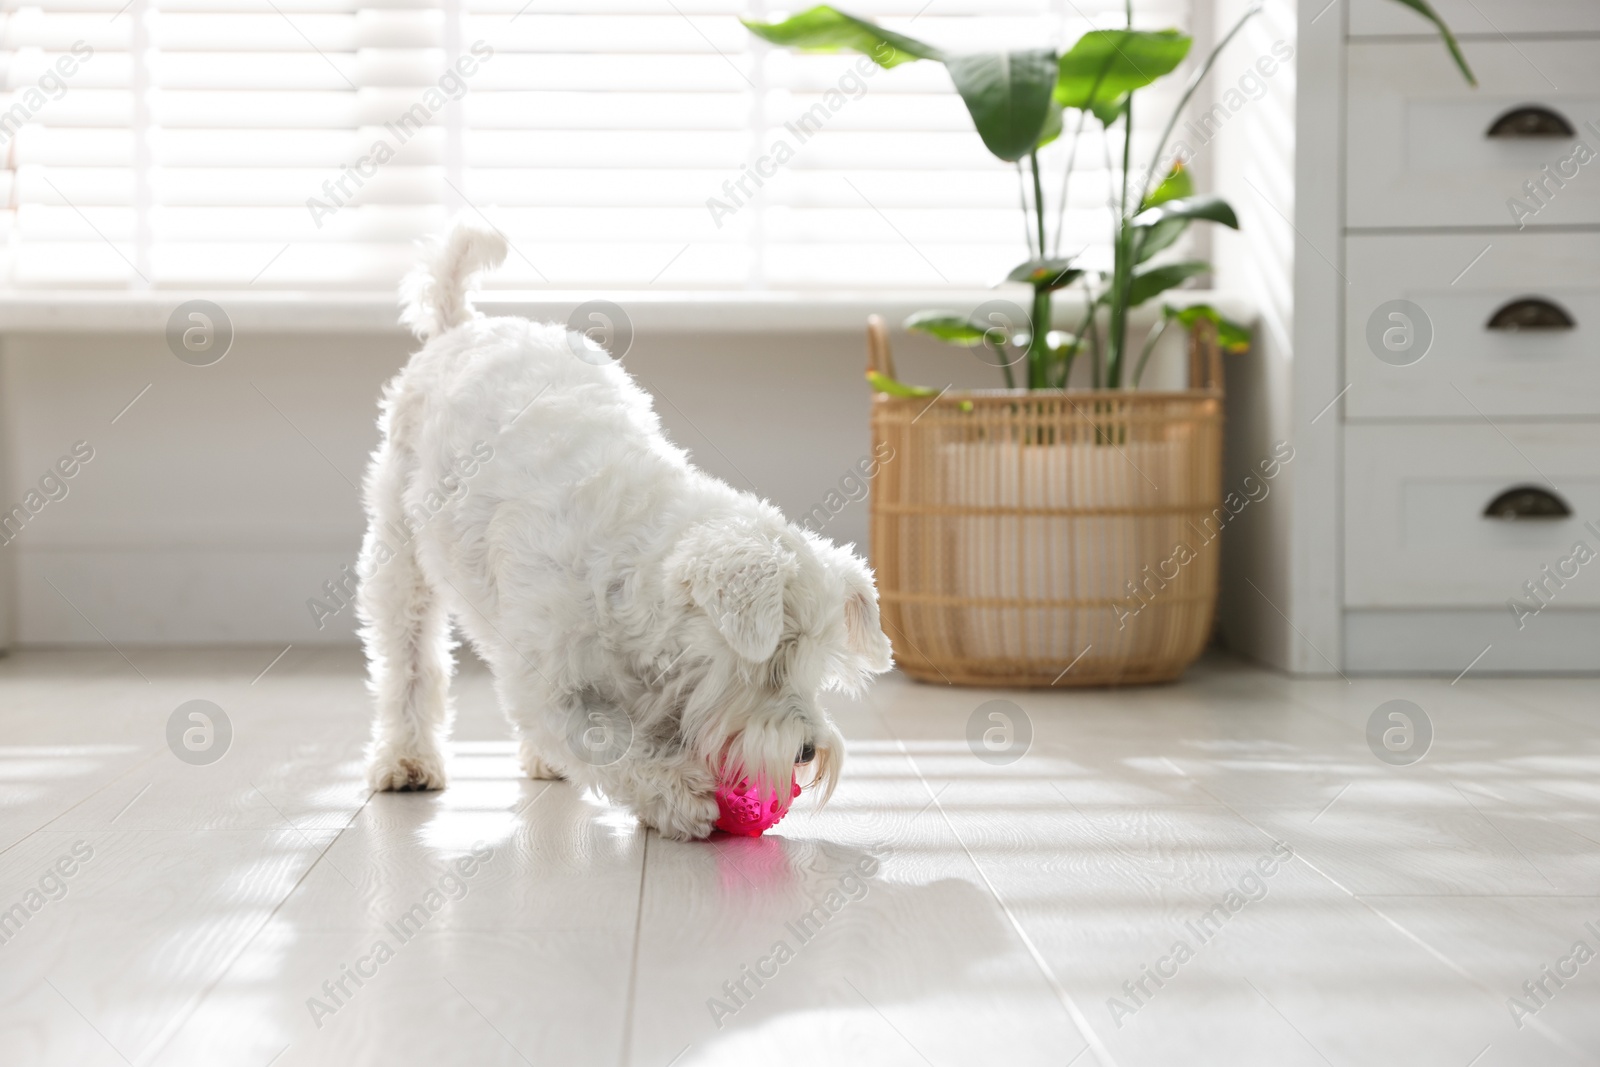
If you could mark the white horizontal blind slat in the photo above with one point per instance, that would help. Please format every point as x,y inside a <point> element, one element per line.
<point>311,142</point>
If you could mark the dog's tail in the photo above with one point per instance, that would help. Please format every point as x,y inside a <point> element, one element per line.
<point>433,295</point>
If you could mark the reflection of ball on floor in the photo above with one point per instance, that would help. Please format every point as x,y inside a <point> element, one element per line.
<point>741,810</point>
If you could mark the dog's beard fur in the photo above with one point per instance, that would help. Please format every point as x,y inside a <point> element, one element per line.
<point>750,722</point>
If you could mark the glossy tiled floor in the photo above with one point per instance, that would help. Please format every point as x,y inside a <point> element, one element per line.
<point>1218,872</point>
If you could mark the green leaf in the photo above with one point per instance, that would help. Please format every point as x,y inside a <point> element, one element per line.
<point>885,384</point>
<point>1209,208</point>
<point>1157,237</point>
<point>1052,125</point>
<point>1053,273</point>
<point>1176,184</point>
<point>1153,280</point>
<point>1159,226</point>
<point>826,29</point>
<point>1232,336</point>
<point>950,326</point>
<point>1099,72</point>
<point>1422,8</point>
<point>1168,209</point>
<point>1007,95</point>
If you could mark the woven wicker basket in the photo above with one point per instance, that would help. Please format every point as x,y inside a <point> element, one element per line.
<point>1049,537</point>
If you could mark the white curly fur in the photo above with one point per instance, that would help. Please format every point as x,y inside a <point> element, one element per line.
<point>612,587</point>
<point>433,294</point>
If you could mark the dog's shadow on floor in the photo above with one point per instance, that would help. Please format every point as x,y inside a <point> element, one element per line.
<point>743,941</point>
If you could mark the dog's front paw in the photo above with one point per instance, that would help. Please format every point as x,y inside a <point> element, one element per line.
<point>681,816</point>
<point>395,772</point>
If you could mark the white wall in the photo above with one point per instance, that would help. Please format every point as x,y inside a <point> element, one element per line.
<point>1280,569</point>
<point>205,516</point>
<point>220,503</point>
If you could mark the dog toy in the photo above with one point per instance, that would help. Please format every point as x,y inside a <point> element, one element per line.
<point>741,809</point>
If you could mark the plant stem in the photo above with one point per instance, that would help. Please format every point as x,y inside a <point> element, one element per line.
<point>1188,91</point>
<point>1022,197</point>
<point>1085,328</point>
<point>1122,264</point>
<point>1066,363</point>
<point>1149,347</point>
<point>1038,199</point>
<point>1095,356</point>
<point>1072,154</point>
<point>1039,328</point>
<point>1005,366</point>
<point>1038,341</point>
<point>1066,176</point>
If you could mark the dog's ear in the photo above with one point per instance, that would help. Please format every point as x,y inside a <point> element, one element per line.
<point>864,632</point>
<point>865,643</point>
<point>737,576</point>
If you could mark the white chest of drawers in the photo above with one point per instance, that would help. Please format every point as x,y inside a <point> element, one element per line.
<point>1469,492</point>
<point>1436,362</point>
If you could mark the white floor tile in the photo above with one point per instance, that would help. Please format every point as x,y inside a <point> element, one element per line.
<point>941,910</point>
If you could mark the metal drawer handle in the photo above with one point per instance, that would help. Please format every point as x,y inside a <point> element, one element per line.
<point>1531,313</point>
<point>1530,120</point>
<point>1527,502</point>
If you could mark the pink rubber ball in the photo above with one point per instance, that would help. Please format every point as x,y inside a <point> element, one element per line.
<point>741,810</point>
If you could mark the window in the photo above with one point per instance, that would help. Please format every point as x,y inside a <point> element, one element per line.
<point>306,144</point>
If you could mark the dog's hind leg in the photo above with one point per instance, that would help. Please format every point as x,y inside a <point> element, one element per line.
<point>406,630</point>
<point>534,765</point>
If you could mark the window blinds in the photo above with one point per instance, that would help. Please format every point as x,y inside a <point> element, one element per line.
<point>619,144</point>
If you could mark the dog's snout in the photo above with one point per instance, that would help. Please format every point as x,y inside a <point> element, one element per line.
<point>808,752</point>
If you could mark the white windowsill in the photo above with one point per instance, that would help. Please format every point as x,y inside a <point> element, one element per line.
<point>663,312</point>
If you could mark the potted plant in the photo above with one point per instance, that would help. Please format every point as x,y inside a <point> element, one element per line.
<point>1040,534</point>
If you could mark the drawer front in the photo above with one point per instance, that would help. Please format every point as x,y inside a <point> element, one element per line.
<point>1385,18</point>
<point>1419,149</point>
<point>1447,640</point>
<point>1525,364</point>
<point>1415,531</point>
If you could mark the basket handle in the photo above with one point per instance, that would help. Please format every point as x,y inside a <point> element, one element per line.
<point>878,357</point>
<point>1205,357</point>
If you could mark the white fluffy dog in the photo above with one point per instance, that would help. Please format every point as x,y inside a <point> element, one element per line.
<point>651,630</point>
